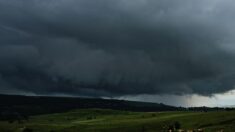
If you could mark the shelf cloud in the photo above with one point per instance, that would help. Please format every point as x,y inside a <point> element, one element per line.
<point>117,48</point>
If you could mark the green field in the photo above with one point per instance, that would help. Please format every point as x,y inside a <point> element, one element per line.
<point>98,120</point>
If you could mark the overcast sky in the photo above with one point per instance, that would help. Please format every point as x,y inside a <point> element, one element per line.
<point>159,50</point>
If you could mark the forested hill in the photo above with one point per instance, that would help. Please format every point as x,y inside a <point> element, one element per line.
<point>32,105</point>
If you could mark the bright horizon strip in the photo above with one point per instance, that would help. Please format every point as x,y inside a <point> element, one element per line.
<point>217,100</point>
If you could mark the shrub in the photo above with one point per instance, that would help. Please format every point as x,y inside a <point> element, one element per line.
<point>177,125</point>
<point>27,130</point>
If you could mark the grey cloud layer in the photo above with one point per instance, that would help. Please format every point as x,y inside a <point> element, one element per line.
<point>109,47</point>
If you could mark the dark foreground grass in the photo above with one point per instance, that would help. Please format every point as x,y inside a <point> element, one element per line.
<point>98,120</point>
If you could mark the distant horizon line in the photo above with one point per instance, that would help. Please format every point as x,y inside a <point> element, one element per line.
<point>106,98</point>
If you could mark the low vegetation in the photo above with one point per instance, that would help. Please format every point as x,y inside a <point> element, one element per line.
<point>103,120</point>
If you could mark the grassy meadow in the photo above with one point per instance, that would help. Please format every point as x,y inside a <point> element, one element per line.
<point>100,120</point>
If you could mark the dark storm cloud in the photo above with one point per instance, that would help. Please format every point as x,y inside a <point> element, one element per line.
<point>108,47</point>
